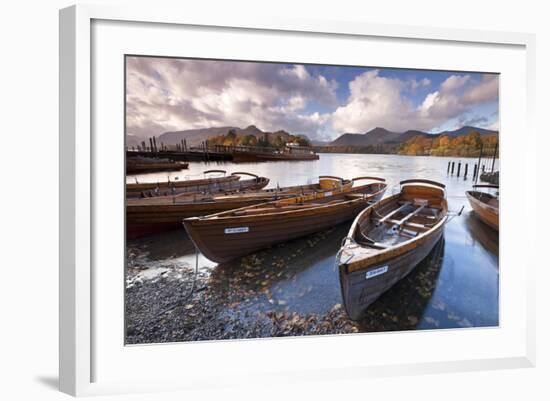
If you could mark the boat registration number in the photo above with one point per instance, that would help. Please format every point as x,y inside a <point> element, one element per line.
<point>376,272</point>
<point>236,230</point>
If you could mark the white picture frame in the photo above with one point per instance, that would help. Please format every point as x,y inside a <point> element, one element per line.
<point>80,344</point>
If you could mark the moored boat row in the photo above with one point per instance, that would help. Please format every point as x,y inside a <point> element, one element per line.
<point>389,236</point>
<point>146,216</point>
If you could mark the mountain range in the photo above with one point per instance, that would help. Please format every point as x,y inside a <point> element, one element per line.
<point>376,136</point>
<point>195,137</point>
<point>381,136</point>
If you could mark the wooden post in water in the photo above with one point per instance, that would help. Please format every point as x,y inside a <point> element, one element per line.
<point>475,172</point>
<point>151,148</point>
<point>458,170</point>
<point>185,144</point>
<point>155,145</point>
<point>465,170</point>
<point>453,168</point>
<point>448,167</point>
<point>478,166</point>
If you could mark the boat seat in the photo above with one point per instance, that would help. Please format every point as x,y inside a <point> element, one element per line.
<point>355,196</point>
<point>413,225</point>
<point>408,233</point>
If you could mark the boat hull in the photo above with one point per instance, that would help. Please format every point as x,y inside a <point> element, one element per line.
<point>146,217</point>
<point>485,212</point>
<point>143,220</point>
<point>141,168</point>
<point>388,240</point>
<point>221,240</point>
<point>360,288</point>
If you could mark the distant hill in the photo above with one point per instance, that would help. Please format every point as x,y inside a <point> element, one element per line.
<point>195,137</point>
<point>252,136</point>
<point>375,136</point>
<point>381,136</point>
<point>466,130</point>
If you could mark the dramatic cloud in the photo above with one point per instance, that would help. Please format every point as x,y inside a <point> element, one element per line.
<point>175,94</point>
<point>486,91</point>
<point>377,101</point>
<point>374,101</point>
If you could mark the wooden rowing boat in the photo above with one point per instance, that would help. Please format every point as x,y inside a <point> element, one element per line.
<point>485,205</point>
<point>387,240</point>
<point>231,234</point>
<point>153,215</point>
<point>138,165</point>
<point>225,183</point>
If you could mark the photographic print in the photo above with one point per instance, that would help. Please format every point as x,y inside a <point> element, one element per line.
<point>272,199</point>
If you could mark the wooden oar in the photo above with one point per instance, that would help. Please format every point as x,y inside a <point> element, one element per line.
<point>389,215</point>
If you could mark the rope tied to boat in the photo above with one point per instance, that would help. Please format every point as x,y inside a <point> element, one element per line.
<point>184,299</point>
<point>341,251</point>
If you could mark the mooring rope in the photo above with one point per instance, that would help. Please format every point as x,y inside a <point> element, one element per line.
<point>340,251</point>
<point>183,299</point>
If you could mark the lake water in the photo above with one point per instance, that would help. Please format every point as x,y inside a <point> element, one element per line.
<point>456,286</point>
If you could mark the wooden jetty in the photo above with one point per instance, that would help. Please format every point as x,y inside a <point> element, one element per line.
<point>240,154</point>
<point>485,205</point>
<point>207,152</point>
<point>388,240</point>
<point>231,234</point>
<point>194,154</point>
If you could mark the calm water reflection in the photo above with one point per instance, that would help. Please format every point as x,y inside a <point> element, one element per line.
<point>456,286</point>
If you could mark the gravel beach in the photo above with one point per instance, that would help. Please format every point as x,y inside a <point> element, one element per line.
<point>260,295</point>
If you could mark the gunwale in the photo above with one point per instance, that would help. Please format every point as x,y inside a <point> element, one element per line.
<point>221,217</point>
<point>130,187</point>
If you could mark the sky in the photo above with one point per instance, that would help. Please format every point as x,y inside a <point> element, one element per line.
<point>322,102</point>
